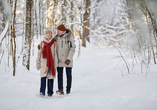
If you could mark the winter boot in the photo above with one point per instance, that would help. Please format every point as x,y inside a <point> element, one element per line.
<point>49,95</point>
<point>68,92</point>
<point>41,94</point>
<point>60,92</point>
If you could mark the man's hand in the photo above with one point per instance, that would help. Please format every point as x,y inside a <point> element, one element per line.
<point>67,62</point>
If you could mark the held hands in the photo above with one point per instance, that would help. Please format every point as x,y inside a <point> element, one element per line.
<point>39,47</point>
<point>67,62</point>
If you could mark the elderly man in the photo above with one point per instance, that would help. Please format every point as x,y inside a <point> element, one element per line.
<point>65,49</point>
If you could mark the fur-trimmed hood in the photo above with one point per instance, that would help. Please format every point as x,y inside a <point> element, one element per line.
<point>68,32</point>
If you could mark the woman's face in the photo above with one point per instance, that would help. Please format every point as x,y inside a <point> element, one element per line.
<point>49,35</point>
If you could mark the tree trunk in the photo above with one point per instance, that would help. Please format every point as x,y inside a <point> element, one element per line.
<point>40,18</point>
<point>47,19</point>
<point>64,12</point>
<point>32,19</point>
<point>51,21</point>
<point>72,18</point>
<point>86,21</point>
<point>13,35</point>
<point>27,47</point>
<point>36,19</point>
<point>32,28</point>
<point>54,20</point>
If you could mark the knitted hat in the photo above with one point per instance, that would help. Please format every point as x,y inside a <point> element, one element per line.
<point>47,30</point>
<point>61,27</point>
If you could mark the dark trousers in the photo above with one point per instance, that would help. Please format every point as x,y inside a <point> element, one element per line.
<point>60,78</point>
<point>49,86</point>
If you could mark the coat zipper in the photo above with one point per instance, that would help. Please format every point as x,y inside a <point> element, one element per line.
<point>62,44</point>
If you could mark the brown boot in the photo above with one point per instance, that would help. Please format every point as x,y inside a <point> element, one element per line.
<point>60,92</point>
<point>68,92</point>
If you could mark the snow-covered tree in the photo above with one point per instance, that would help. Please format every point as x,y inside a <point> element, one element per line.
<point>28,38</point>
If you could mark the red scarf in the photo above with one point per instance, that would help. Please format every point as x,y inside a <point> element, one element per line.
<point>47,54</point>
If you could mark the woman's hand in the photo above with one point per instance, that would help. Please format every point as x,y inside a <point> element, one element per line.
<point>39,47</point>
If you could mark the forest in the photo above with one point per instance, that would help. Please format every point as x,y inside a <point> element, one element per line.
<point>129,26</point>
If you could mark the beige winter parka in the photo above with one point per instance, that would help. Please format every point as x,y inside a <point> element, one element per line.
<point>41,62</point>
<point>65,49</point>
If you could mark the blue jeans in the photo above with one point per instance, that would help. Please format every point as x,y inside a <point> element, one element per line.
<point>60,78</point>
<point>49,85</point>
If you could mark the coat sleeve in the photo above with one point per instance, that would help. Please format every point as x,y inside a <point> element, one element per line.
<point>38,60</point>
<point>56,57</point>
<point>72,49</point>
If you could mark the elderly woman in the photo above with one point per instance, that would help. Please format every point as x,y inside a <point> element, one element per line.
<point>45,63</point>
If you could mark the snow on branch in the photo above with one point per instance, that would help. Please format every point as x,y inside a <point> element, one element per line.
<point>4,32</point>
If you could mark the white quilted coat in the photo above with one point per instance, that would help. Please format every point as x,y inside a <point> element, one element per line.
<point>41,62</point>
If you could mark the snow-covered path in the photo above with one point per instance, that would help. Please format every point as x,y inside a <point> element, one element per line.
<point>97,85</point>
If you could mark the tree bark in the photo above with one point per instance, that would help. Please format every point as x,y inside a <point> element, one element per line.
<point>72,18</point>
<point>27,48</point>
<point>64,12</point>
<point>86,21</point>
<point>13,35</point>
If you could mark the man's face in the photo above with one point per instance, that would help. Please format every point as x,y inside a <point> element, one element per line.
<point>49,35</point>
<point>59,32</point>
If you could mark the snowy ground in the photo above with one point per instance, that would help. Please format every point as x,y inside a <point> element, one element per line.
<point>97,85</point>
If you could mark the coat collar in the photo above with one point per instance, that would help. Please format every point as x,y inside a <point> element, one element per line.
<point>45,40</point>
<point>67,33</point>
<point>63,34</point>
